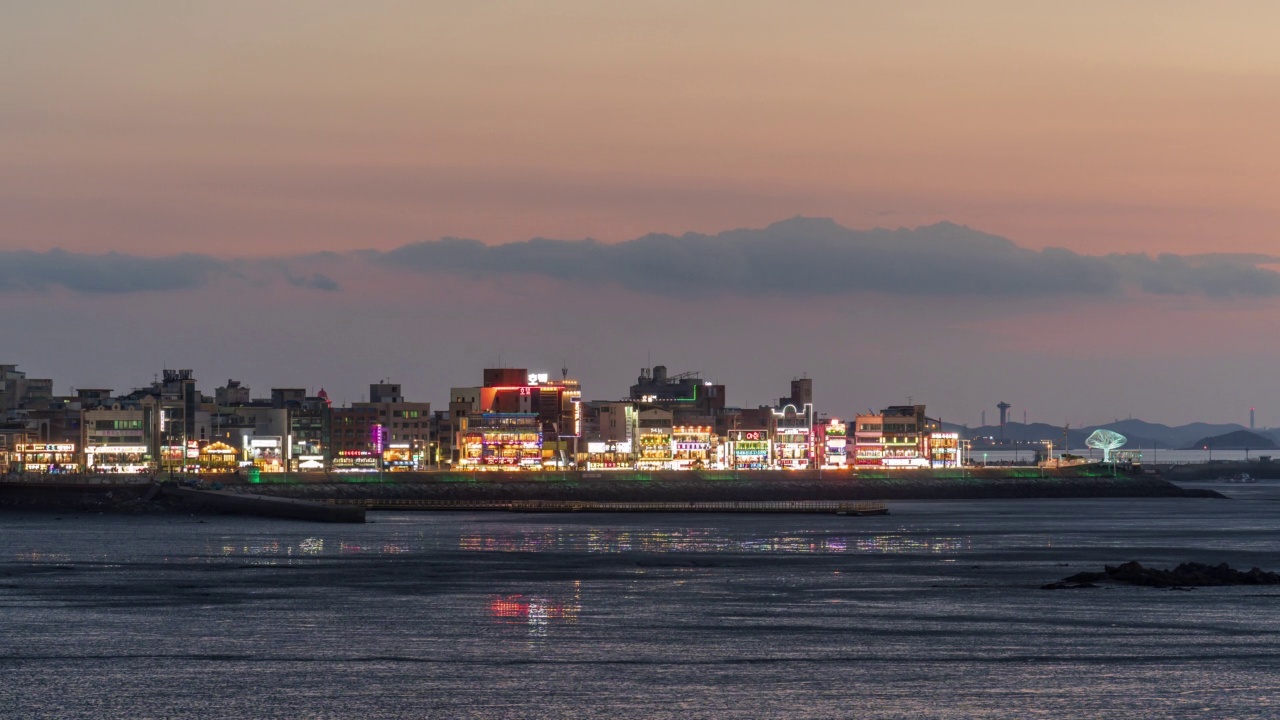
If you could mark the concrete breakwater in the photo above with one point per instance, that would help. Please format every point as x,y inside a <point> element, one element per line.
<point>265,506</point>
<point>616,487</point>
<point>149,497</point>
<point>706,487</point>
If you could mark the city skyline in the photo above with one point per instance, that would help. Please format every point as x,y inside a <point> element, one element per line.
<point>262,193</point>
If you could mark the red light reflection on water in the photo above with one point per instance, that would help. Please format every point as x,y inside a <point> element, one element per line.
<point>537,610</point>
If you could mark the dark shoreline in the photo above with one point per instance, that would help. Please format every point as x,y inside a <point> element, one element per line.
<point>602,487</point>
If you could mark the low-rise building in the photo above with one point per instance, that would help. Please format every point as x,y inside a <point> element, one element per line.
<point>655,439</point>
<point>502,441</point>
<point>120,438</point>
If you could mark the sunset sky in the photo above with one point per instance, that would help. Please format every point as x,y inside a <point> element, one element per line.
<point>255,134</point>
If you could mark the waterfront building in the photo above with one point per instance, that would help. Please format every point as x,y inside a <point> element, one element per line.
<point>307,419</point>
<point>750,449</point>
<point>10,438</point>
<point>832,441</point>
<point>610,431</point>
<point>557,405</point>
<point>120,438</point>
<point>902,436</point>
<point>793,443</point>
<point>45,458</point>
<point>356,439</point>
<point>655,438</point>
<point>498,441</point>
<point>868,440</point>
<point>694,447</point>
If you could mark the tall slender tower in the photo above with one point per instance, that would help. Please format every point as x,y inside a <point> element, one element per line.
<point>1004,416</point>
<point>1250,418</point>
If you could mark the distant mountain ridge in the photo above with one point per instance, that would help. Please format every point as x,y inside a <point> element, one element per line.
<point>1237,440</point>
<point>1140,433</point>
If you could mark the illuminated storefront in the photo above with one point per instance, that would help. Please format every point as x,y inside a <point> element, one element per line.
<point>117,458</point>
<point>45,458</point>
<point>310,463</point>
<point>693,447</point>
<point>611,455</point>
<point>751,449</point>
<point>944,450</point>
<point>793,448</point>
<point>355,461</point>
<point>868,440</point>
<point>265,453</point>
<point>655,448</point>
<point>217,457</point>
<point>834,445</point>
<point>397,457</point>
<point>499,441</point>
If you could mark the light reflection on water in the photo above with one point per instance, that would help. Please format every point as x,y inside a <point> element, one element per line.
<point>701,541</point>
<point>538,611</point>
<point>934,612</point>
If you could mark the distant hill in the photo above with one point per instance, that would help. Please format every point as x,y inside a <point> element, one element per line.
<point>1038,432</point>
<point>1238,440</point>
<point>1170,436</point>
<point>1140,433</point>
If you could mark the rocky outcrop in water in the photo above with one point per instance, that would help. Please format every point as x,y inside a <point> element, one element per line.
<point>1189,574</point>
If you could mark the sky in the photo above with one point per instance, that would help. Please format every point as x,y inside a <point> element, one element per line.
<point>1076,199</point>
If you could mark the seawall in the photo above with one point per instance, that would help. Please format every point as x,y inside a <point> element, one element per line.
<point>266,506</point>
<point>709,487</point>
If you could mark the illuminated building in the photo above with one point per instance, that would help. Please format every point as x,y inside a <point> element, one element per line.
<point>556,405</point>
<point>945,450</point>
<point>265,453</point>
<point>868,440</point>
<point>655,432</point>
<point>10,437</point>
<point>793,444</point>
<point>751,449</point>
<point>899,436</point>
<point>217,457</point>
<point>308,427</point>
<point>498,441</point>
<point>610,455</point>
<point>694,447</point>
<point>832,438</point>
<point>45,458</point>
<point>399,457</point>
<point>353,440</point>
<point>119,439</point>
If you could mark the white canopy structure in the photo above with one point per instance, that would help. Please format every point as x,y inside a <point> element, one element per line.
<point>1106,441</point>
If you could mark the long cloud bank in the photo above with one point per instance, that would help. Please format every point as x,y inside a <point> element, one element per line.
<point>801,257</point>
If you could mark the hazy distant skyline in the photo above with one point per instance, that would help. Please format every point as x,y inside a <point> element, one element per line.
<point>1113,144</point>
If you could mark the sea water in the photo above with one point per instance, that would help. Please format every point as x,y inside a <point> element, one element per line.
<point>934,611</point>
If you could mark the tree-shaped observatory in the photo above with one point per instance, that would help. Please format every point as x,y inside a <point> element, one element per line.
<point>1106,441</point>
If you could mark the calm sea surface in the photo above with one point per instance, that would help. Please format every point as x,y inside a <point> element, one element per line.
<point>931,612</point>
